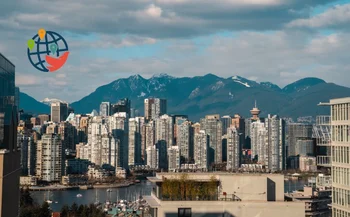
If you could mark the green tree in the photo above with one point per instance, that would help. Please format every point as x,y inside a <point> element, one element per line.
<point>25,198</point>
<point>65,211</point>
<point>45,210</point>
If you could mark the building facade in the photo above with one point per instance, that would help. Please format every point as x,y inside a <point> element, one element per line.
<point>212,125</point>
<point>234,195</point>
<point>233,149</point>
<point>201,150</point>
<point>50,158</point>
<point>155,107</point>
<point>59,111</point>
<point>9,153</point>
<point>340,126</point>
<point>135,140</point>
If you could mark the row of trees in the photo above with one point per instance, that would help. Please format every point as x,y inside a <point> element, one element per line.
<point>81,211</point>
<point>30,209</point>
<point>183,188</point>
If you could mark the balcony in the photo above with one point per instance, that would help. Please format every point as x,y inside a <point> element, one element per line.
<point>324,161</point>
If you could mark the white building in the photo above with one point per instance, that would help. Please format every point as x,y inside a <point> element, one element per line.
<point>50,158</point>
<point>258,136</point>
<point>268,142</point>
<point>184,139</point>
<point>152,157</point>
<point>119,129</point>
<point>174,158</point>
<point>135,140</point>
<point>201,150</point>
<point>105,109</point>
<point>164,126</point>
<point>233,149</point>
<point>155,107</point>
<point>212,126</point>
<point>107,140</point>
<point>148,138</point>
<point>340,126</point>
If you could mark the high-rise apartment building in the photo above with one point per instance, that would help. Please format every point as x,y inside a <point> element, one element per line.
<point>322,135</point>
<point>233,149</point>
<point>119,129</point>
<point>148,138</point>
<point>275,142</point>
<point>300,140</point>
<point>226,123</point>
<point>67,133</point>
<point>50,158</point>
<point>340,126</point>
<point>135,140</point>
<point>10,168</point>
<point>212,126</point>
<point>43,118</point>
<point>105,109</point>
<point>184,141</point>
<point>174,159</point>
<point>155,107</point>
<point>59,112</point>
<point>268,142</point>
<point>164,126</point>
<point>201,150</point>
<point>123,105</point>
<point>152,157</point>
<point>25,141</point>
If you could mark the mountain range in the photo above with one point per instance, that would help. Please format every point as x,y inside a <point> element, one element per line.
<point>210,94</point>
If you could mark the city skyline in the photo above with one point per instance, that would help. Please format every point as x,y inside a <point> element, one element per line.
<point>293,40</point>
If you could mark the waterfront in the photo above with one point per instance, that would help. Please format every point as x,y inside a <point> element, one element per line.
<point>127,193</point>
<point>92,195</point>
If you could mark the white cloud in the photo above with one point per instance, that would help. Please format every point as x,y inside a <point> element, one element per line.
<point>335,17</point>
<point>154,11</point>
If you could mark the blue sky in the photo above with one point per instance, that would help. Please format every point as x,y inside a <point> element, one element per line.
<point>279,41</point>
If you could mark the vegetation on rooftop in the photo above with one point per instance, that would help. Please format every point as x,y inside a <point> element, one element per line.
<point>183,188</point>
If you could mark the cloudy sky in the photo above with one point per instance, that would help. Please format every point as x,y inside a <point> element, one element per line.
<point>263,40</point>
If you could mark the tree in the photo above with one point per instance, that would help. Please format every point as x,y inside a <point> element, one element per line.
<point>45,210</point>
<point>65,211</point>
<point>25,198</point>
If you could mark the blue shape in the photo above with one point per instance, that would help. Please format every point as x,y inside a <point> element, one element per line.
<point>51,38</point>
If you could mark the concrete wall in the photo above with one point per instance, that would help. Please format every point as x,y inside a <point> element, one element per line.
<point>233,209</point>
<point>247,187</point>
<point>9,184</point>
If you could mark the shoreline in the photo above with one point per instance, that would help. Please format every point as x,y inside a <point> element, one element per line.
<point>81,187</point>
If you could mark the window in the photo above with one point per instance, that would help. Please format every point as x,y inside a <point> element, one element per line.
<point>184,212</point>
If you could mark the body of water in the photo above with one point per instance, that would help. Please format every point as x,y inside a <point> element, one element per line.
<point>92,195</point>
<point>127,193</point>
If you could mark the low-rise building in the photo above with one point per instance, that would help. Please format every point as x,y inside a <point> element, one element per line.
<point>76,166</point>
<point>316,201</point>
<point>307,164</point>
<point>28,181</point>
<point>221,194</point>
<point>74,180</point>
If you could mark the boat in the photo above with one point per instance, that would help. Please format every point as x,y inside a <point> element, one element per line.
<point>49,201</point>
<point>109,190</point>
<point>79,195</point>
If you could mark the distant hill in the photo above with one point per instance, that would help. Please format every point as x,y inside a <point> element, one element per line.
<point>29,104</point>
<point>201,95</point>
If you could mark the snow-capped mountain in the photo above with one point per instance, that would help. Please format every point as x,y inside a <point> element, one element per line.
<point>48,101</point>
<point>209,94</point>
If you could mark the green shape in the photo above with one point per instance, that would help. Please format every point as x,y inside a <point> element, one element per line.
<point>53,48</point>
<point>31,44</point>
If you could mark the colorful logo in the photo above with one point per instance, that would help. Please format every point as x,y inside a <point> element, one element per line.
<point>47,51</point>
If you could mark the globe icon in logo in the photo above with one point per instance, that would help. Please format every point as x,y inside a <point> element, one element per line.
<point>47,51</point>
